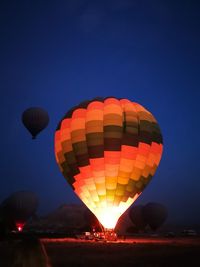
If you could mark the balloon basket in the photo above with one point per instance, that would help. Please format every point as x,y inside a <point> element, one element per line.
<point>108,235</point>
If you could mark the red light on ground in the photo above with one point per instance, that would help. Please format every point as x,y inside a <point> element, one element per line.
<point>20,226</point>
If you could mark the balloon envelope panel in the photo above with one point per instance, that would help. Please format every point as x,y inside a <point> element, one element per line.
<point>108,150</point>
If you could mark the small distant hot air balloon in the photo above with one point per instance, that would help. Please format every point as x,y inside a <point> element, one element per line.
<point>35,119</point>
<point>155,214</point>
<point>18,208</point>
<point>108,149</point>
<point>136,214</point>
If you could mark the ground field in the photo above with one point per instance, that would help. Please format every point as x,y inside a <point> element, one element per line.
<point>137,252</point>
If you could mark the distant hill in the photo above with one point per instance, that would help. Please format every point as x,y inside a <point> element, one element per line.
<point>65,217</point>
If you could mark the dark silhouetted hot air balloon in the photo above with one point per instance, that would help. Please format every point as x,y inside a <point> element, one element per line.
<point>35,119</point>
<point>18,208</point>
<point>108,149</point>
<point>136,214</point>
<point>91,221</point>
<point>155,214</point>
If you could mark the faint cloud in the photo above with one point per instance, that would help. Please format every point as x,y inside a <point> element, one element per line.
<point>75,6</point>
<point>92,16</point>
<point>122,4</point>
<point>95,13</point>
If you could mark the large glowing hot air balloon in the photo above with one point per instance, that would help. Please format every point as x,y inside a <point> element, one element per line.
<point>108,150</point>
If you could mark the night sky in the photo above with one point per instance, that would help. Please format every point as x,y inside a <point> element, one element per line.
<point>54,54</point>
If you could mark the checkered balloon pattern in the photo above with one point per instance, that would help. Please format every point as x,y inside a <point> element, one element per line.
<point>108,149</point>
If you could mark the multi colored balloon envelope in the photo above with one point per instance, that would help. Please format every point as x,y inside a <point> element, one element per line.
<point>108,149</point>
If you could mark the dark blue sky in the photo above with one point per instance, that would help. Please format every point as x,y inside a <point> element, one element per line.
<point>55,54</point>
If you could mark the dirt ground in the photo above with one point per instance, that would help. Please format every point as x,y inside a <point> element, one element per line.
<point>139,252</point>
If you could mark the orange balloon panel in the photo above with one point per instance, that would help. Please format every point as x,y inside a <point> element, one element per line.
<point>108,150</point>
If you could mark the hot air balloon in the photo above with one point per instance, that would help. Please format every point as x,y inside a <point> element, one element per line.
<point>136,214</point>
<point>108,149</point>
<point>18,208</point>
<point>155,214</point>
<point>35,119</point>
<point>91,221</point>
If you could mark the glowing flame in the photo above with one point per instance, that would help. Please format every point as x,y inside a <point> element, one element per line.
<point>108,216</point>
